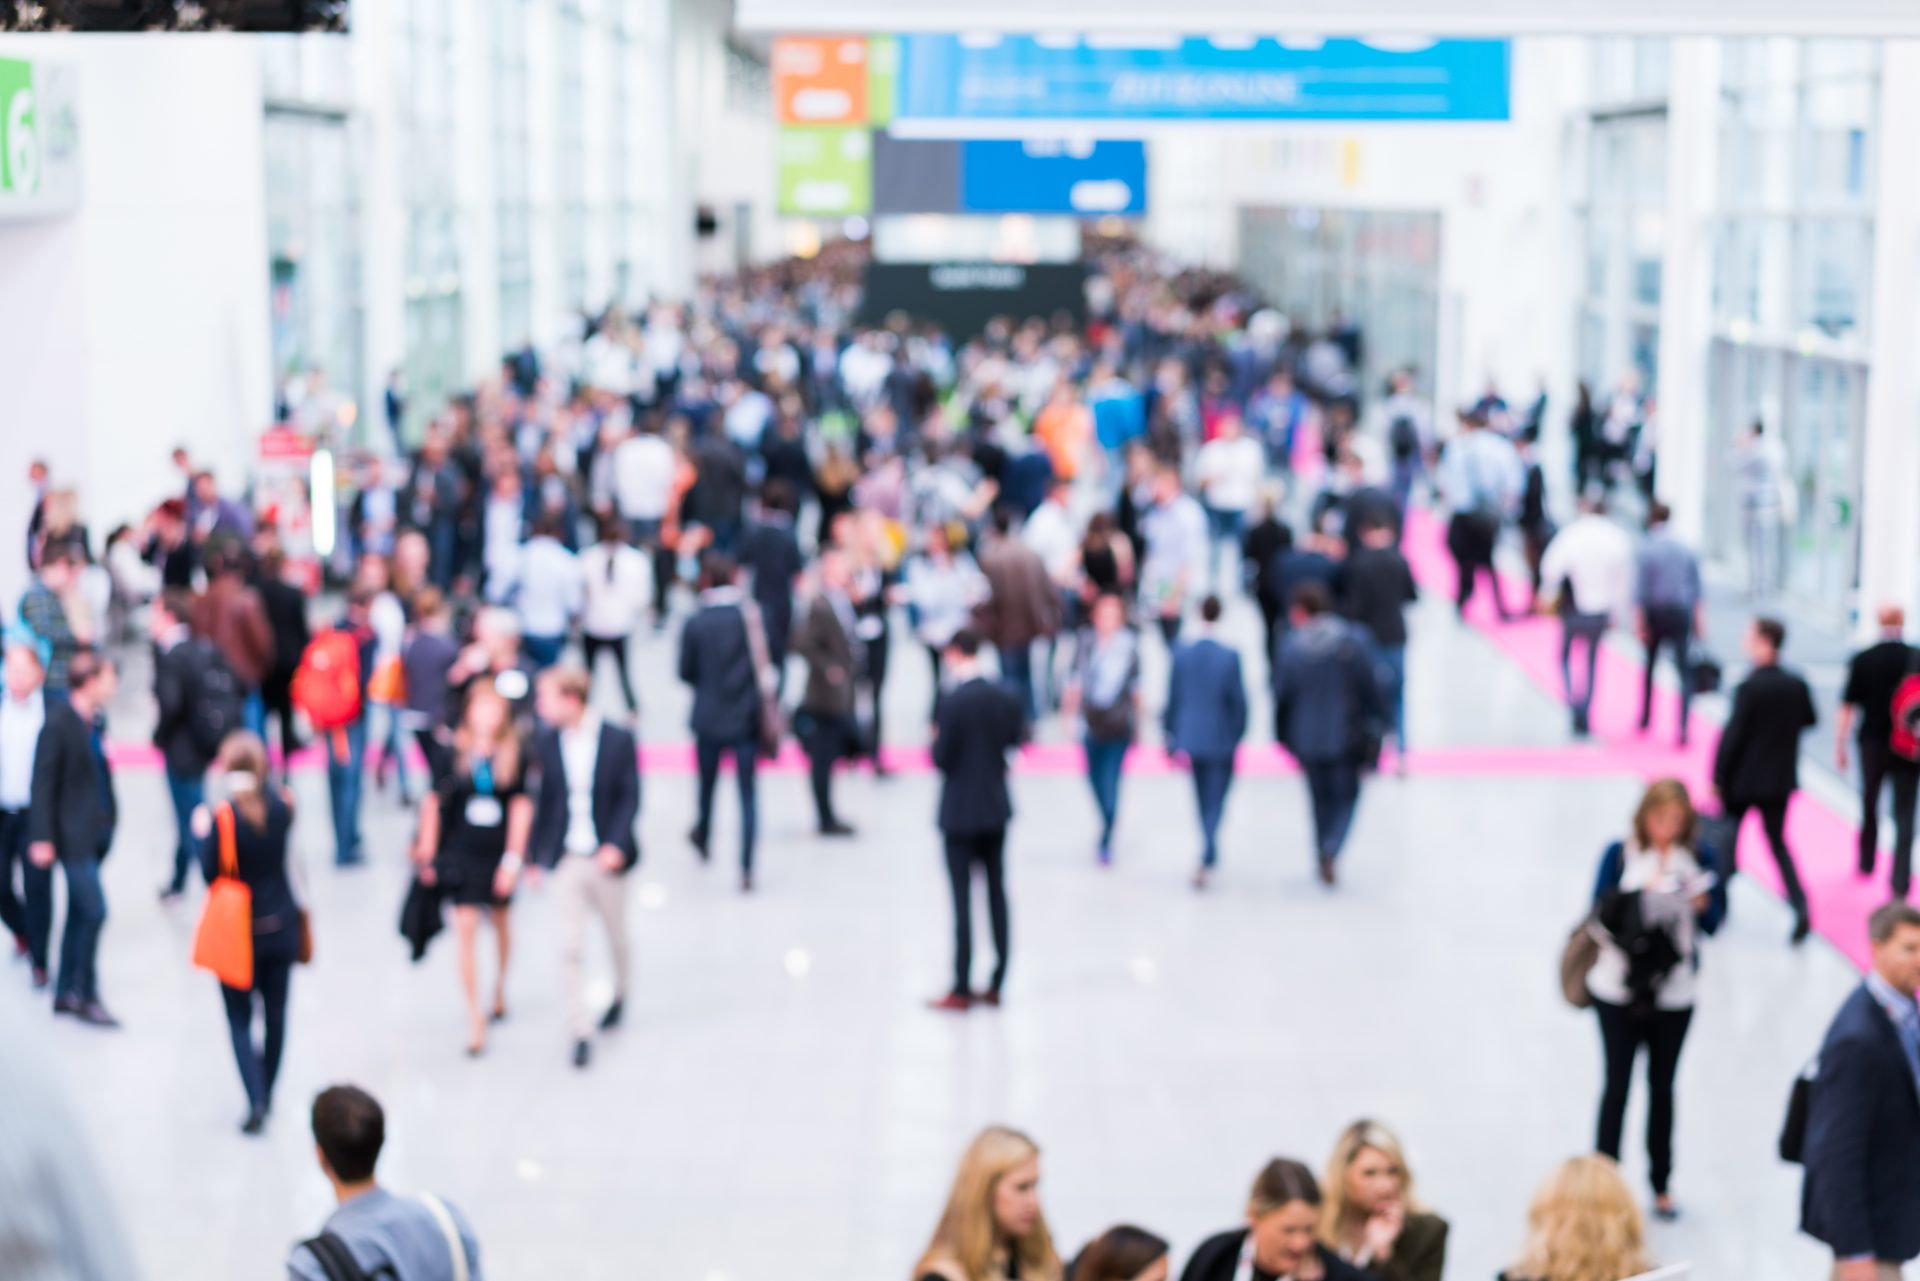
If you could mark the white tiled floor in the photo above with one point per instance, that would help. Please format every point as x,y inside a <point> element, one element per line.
<point>781,1108</point>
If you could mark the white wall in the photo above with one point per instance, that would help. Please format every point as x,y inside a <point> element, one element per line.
<point>725,151</point>
<point>140,321</point>
<point>1506,305</point>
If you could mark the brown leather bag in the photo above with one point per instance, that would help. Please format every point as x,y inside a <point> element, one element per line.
<point>1577,960</point>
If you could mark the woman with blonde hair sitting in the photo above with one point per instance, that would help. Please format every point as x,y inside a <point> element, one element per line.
<point>1372,1218</point>
<point>1583,1226</point>
<point>992,1228</point>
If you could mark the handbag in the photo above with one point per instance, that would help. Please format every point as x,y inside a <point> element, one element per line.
<point>1793,1131</point>
<point>223,941</point>
<point>304,955</point>
<point>1704,670</point>
<point>388,685</point>
<point>772,721</point>
<point>1577,960</point>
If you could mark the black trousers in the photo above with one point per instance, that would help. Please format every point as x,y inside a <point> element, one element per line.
<point>827,738</point>
<point>1471,539</point>
<point>988,851</point>
<point>594,646</point>
<point>13,851</point>
<point>276,692</point>
<point>1672,627</point>
<point>1878,765</point>
<point>1622,1033</point>
<point>259,1067</point>
<point>1773,818</point>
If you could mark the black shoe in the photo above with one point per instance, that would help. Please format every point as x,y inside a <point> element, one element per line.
<point>582,1054</point>
<point>611,1019</point>
<point>255,1123</point>
<point>169,893</point>
<point>1802,927</point>
<point>94,1014</point>
<point>66,1005</point>
<point>835,827</point>
<point>698,839</point>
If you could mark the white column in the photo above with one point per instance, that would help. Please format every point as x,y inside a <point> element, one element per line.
<point>383,214</point>
<point>1686,291</point>
<point>1890,490</point>
<point>476,191</point>
<point>543,216</point>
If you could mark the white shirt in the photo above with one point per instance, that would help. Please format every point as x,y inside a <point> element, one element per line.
<point>551,590</point>
<point>1642,869</point>
<point>619,582</point>
<point>1231,472</point>
<point>1176,537</point>
<point>1051,535</point>
<point>20,724</point>
<point>643,476</point>
<point>388,619</point>
<point>1596,557</point>
<point>580,757</point>
<point>747,418</point>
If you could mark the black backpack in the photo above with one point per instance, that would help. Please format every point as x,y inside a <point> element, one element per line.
<point>217,702</point>
<point>1403,437</point>
<point>338,1263</point>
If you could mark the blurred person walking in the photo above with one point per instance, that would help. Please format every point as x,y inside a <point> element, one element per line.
<point>825,725</point>
<point>618,583</point>
<point>1105,694</point>
<point>1667,597</point>
<point>231,614</point>
<point>717,660</point>
<point>1588,568</point>
<point>1376,588</point>
<point>198,701</point>
<point>1022,606</point>
<point>1480,478</point>
<point>1328,713</point>
<point>1205,718</point>
<point>1880,679</point>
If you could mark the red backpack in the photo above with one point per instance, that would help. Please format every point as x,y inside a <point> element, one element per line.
<point>326,685</point>
<point>1905,740</point>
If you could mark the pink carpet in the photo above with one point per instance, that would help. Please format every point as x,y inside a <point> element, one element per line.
<point>1823,841</point>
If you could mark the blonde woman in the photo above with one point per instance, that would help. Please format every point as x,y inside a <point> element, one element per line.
<point>1371,1217</point>
<point>1583,1226</point>
<point>1278,1243</point>
<point>992,1229</point>
<point>472,841</point>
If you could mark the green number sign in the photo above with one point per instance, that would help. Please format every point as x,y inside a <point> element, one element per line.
<point>19,128</point>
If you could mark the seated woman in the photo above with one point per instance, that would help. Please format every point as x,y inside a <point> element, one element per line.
<point>992,1228</point>
<point>1283,1214</point>
<point>1372,1218</point>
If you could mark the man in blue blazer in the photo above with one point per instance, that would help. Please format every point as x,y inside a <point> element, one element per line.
<point>1205,719</point>
<point>1862,1151</point>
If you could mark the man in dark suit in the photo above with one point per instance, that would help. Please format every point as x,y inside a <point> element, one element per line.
<point>1862,1151</point>
<point>977,723</point>
<point>716,658</point>
<point>1205,719</point>
<point>826,722</point>
<point>585,802</point>
<point>180,661</point>
<point>71,822</point>
<point>1757,765</point>
<point>286,607</point>
<point>770,551</point>
<point>1327,713</point>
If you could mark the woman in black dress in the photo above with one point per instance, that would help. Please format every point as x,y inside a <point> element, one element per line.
<point>260,818</point>
<point>473,840</point>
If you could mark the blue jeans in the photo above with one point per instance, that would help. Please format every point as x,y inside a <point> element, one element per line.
<point>1405,472</point>
<point>1016,669</point>
<point>1104,761</point>
<point>80,944</point>
<point>1212,776</point>
<point>746,755</point>
<point>189,792</point>
<point>1588,628</point>
<point>253,714</point>
<point>345,781</point>
<point>542,651</point>
<point>1223,528</point>
<point>1334,789</point>
<point>1390,669</point>
<point>393,746</point>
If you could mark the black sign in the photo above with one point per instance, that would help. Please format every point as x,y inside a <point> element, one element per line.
<point>961,297</point>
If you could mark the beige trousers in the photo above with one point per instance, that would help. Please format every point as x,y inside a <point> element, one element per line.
<point>583,889</point>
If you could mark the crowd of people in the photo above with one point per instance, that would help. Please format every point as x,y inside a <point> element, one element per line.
<point>1034,507</point>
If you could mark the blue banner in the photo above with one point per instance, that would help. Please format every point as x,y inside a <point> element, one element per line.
<point>960,80</point>
<point>1090,179</point>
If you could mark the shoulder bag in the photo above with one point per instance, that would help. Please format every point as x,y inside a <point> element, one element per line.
<point>223,942</point>
<point>1793,1131</point>
<point>1577,960</point>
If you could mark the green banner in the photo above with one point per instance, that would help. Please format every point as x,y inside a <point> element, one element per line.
<point>19,128</point>
<point>825,171</point>
<point>883,69</point>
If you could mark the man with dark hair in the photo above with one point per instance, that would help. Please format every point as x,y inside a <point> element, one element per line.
<point>1205,719</point>
<point>71,822</point>
<point>1757,765</point>
<point>976,724</point>
<point>1862,1149</point>
<point>770,553</point>
<point>1667,597</point>
<point>717,659</point>
<point>1328,713</point>
<point>232,615</point>
<point>828,642</point>
<point>373,1232</point>
<point>47,614</point>
<point>190,678</point>
<point>1022,606</point>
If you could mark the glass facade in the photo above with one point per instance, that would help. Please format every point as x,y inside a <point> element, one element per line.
<point>1623,212</point>
<point>512,169</point>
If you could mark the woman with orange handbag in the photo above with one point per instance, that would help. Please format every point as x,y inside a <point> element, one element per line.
<point>245,838</point>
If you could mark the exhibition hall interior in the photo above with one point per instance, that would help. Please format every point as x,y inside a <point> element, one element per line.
<point>792,640</point>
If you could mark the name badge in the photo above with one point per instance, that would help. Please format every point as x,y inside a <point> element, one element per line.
<point>483,811</point>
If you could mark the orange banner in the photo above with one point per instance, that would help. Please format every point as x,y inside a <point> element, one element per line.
<point>820,80</point>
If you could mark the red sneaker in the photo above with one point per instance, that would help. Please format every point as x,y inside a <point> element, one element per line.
<point>953,1002</point>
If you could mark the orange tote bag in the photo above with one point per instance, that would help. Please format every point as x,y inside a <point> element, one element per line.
<point>223,944</point>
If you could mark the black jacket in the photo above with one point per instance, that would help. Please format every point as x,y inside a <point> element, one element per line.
<point>1862,1154</point>
<point>1378,588</point>
<point>716,660</point>
<point>975,727</point>
<point>177,683</point>
<point>68,808</point>
<point>287,615</point>
<point>1759,754</point>
<point>771,551</point>
<point>1218,1257</point>
<point>616,796</point>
